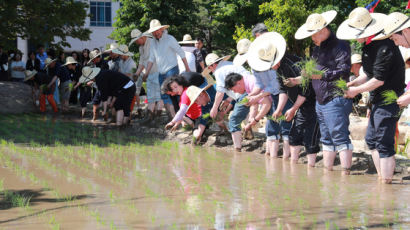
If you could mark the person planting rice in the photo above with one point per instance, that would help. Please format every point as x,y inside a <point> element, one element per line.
<point>384,66</point>
<point>116,85</point>
<point>194,96</point>
<point>244,85</point>
<point>42,79</point>
<point>332,57</point>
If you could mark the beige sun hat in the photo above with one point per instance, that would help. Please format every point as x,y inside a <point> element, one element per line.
<point>29,74</point>
<point>48,61</point>
<point>193,93</point>
<point>187,39</point>
<point>156,25</point>
<point>93,55</point>
<point>242,47</point>
<point>360,24</point>
<point>123,50</point>
<point>137,34</point>
<point>314,23</point>
<point>70,60</point>
<point>88,74</point>
<point>395,22</point>
<point>214,58</point>
<point>112,47</point>
<point>356,58</point>
<point>266,51</point>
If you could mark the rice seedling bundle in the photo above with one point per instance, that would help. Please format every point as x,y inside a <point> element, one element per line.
<point>390,97</point>
<point>341,86</point>
<point>309,67</point>
<point>244,101</point>
<point>70,86</point>
<point>277,120</point>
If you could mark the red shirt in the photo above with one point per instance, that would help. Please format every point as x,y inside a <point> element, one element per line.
<point>194,111</point>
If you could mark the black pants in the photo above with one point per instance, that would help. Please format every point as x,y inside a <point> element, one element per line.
<point>85,95</point>
<point>124,99</point>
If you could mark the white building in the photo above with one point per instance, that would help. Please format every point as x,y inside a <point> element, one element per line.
<point>100,22</point>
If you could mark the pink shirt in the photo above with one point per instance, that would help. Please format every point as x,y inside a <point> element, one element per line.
<point>250,81</point>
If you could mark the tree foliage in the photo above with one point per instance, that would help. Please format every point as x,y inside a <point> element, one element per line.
<point>43,20</point>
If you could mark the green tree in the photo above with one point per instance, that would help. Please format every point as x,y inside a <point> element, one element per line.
<point>42,21</point>
<point>179,14</point>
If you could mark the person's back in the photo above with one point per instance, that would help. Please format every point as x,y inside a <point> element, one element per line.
<point>190,57</point>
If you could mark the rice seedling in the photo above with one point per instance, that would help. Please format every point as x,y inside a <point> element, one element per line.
<point>53,223</point>
<point>308,66</point>
<point>341,87</point>
<point>244,101</point>
<point>277,120</point>
<point>389,97</point>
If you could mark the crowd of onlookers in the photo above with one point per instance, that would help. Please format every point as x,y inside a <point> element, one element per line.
<point>306,102</point>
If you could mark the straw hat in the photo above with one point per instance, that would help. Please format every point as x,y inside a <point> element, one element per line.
<point>88,74</point>
<point>242,48</point>
<point>29,74</point>
<point>70,60</point>
<point>356,58</point>
<point>93,55</point>
<point>193,93</point>
<point>212,58</point>
<point>266,51</point>
<point>360,24</point>
<point>48,61</point>
<point>112,46</point>
<point>395,22</point>
<point>123,50</point>
<point>155,25</point>
<point>314,23</point>
<point>187,39</point>
<point>137,34</point>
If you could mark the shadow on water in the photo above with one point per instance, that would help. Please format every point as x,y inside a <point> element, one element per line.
<point>38,129</point>
<point>29,197</point>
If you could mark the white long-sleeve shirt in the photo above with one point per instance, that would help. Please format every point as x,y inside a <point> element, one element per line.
<point>222,70</point>
<point>190,58</point>
<point>163,52</point>
<point>127,66</point>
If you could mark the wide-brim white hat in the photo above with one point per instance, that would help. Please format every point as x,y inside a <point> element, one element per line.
<point>187,39</point>
<point>88,74</point>
<point>137,34</point>
<point>155,25</point>
<point>360,24</point>
<point>29,74</point>
<point>242,47</point>
<point>395,22</point>
<point>93,55</point>
<point>266,51</point>
<point>70,60</point>
<point>123,50</point>
<point>356,58</point>
<point>314,23</point>
<point>48,61</point>
<point>193,93</point>
<point>112,47</point>
<point>213,58</point>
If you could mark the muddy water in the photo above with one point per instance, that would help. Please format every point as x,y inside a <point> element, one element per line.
<point>120,183</point>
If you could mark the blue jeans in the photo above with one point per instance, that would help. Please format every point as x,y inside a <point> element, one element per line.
<point>173,71</point>
<point>382,128</point>
<point>273,129</point>
<point>239,113</point>
<point>334,123</point>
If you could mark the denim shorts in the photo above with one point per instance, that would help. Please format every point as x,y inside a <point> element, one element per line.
<point>272,128</point>
<point>161,77</point>
<point>334,123</point>
<point>153,88</point>
<point>239,113</point>
<point>305,130</point>
<point>382,128</point>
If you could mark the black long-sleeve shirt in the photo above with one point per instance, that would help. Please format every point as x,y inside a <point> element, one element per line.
<point>110,83</point>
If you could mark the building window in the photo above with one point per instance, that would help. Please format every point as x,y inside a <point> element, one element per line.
<point>100,13</point>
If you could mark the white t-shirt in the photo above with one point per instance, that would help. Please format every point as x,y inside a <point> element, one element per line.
<point>17,74</point>
<point>190,58</point>
<point>127,66</point>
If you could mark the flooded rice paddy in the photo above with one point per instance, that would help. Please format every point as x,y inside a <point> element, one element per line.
<point>62,175</point>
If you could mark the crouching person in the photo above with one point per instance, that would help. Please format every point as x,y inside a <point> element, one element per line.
<point>116,85</point>
<point>244,85</point>
<point>43,79</point>
<point>204,98</point>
